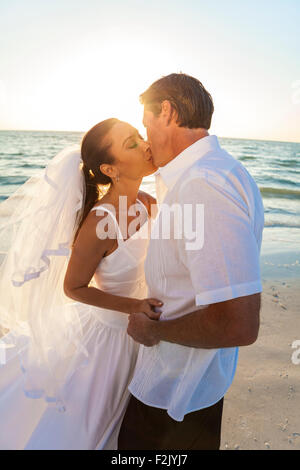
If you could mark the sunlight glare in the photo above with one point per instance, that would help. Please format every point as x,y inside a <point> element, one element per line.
<point>101,82</point>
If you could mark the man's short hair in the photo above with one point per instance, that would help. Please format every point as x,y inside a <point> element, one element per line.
<point>188,97</point>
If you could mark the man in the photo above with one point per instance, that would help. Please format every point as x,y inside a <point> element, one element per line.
<point>210,289</point>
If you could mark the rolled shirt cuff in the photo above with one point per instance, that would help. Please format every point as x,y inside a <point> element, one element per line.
<point>228,293</point>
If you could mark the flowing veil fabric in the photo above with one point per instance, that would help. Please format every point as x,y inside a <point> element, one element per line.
<point>37,226</point>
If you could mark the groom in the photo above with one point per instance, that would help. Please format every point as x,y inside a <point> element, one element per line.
<point>207,275</point>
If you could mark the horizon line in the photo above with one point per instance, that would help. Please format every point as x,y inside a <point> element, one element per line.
<point>83,132</point>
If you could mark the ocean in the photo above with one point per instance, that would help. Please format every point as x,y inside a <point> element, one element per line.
<point>275,166</point>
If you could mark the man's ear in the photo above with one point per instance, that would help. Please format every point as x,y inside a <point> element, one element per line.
<point>168,112</point>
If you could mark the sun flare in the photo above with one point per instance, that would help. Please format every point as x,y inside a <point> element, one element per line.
<point>99,82</point>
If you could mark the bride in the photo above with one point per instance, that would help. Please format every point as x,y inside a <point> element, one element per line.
<point>67,287</point>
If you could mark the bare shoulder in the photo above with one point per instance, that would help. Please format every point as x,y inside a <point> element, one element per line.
<point>149,201</point>
<point>104,200</point>
<point>92,231</point>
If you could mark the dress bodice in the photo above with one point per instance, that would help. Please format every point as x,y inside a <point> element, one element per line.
<point>122,271</point>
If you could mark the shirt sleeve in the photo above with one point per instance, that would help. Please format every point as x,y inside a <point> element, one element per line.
<point>218,247</point>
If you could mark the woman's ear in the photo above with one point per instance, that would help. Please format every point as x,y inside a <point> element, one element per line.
<point>108,170</point>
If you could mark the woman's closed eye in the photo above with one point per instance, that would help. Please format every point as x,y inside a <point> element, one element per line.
<point>133,145</point>
<point>134,142</point>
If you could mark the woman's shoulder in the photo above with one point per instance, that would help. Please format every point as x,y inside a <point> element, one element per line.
<point>91,233</point>
<point>104,200</point>
<point>97,214</point>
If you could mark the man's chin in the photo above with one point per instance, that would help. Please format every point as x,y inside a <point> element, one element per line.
<point>151,170</point>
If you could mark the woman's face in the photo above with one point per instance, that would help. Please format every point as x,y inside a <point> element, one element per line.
<point>133,158</point>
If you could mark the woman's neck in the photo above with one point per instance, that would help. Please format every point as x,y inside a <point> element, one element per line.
<point>126,189</point>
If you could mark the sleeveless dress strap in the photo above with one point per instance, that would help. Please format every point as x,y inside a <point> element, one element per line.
<point>119,233</point>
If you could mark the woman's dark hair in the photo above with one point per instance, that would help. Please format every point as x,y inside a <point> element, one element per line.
<point>94,153</point>
<point>188,97</point>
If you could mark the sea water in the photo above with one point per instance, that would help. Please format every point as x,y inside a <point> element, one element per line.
<point>275,166</point>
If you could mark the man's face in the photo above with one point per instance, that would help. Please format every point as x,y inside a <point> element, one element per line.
<point>156,135</point>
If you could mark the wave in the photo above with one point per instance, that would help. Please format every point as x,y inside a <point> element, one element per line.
<point>280,192</point>
<point>251,149</point>
<point>247,157</point>
<point>31,165</point>
<point>281,224</point>
<point>15,180</point>
<point>288,163</point>
<point>284,182</point>
<point>12,154</point>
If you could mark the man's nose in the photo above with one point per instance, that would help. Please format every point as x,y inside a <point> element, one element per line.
<point>148,152</point>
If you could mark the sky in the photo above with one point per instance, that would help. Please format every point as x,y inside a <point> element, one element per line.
<point>68,64</point>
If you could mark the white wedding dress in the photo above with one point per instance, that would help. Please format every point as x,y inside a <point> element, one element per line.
<point>95,395</point>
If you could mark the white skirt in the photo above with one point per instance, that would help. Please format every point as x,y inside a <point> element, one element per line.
<point>96,398</point>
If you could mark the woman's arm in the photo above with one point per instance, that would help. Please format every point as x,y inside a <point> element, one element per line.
<point>86,255</point>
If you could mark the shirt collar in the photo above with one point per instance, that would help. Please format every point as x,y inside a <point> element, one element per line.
<point>171,172</point>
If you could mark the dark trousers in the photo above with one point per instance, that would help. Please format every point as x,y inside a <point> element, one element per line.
<point>145,427</point>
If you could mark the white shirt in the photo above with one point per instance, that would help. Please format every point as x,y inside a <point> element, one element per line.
<point>170,376</point>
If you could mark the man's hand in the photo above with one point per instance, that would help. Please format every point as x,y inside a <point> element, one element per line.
<point>227,324</point>
<point>142,329</point>
<point>150,307</point>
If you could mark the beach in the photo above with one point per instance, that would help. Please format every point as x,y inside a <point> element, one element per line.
<point>261,408</point>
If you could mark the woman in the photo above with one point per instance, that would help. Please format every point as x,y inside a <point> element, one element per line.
<point>76,355</point>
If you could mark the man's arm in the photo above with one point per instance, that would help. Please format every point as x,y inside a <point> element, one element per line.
<point>224,274</point>
<point>220,325</point>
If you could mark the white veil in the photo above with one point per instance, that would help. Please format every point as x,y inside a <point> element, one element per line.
<point>37,226</point>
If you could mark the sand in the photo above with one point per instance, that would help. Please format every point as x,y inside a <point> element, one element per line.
<point>262,406</point>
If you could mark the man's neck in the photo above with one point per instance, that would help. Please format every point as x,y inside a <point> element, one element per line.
<point>183,139</point>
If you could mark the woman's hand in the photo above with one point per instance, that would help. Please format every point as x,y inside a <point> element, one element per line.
<point>148,306</point>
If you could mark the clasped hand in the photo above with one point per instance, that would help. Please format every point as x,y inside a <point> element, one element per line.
<point>142,323</point>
